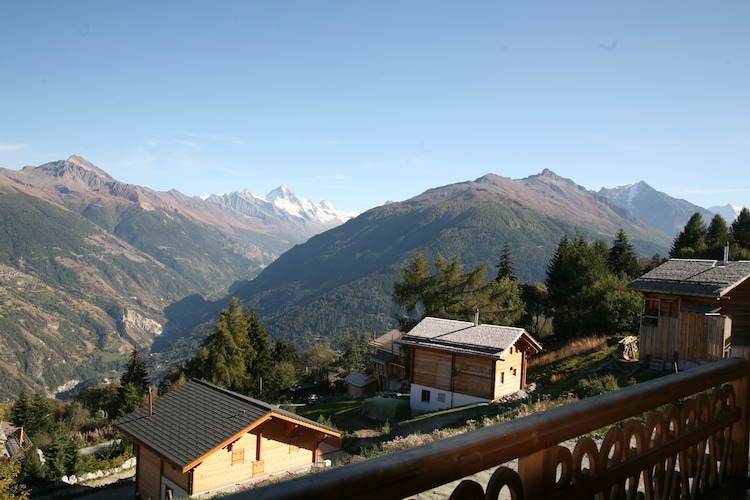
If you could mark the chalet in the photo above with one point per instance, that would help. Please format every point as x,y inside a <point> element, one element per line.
<point>455,363</point>
<point>694,310</point>
<point>200,438</point>
<point>388,359</point>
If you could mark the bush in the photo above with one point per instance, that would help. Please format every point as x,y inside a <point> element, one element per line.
<point>593,386</point>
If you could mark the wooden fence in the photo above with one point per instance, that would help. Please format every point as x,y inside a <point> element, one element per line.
<point>693,444</point>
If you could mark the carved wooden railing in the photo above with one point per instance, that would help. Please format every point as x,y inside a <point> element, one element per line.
<point>687,448</point>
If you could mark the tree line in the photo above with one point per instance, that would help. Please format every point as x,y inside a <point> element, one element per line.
<point>700,241</point>
<point>584,292</point>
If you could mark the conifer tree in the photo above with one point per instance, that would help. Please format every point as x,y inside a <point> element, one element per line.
<point>258,359</point>
<point>691,242</point>
<point>622,259</point>
<point>717,237</point>
<point>505,266</point>
<point>136,372</point>
<point>741,229</point>
<point>227,349</point>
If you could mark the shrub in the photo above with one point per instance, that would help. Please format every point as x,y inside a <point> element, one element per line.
<point>593,386</point>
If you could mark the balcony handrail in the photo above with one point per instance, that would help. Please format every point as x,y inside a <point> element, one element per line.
<point>530,438</point>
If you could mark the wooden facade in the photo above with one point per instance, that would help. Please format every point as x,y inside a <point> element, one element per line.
<point>448,370</point>
<point>694,311</point>
<point>389,362</point>
<point>483,378</point>
<point>204,439</point>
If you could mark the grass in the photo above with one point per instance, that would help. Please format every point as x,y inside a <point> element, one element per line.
<point>337,411</point>
<point>561,368</point>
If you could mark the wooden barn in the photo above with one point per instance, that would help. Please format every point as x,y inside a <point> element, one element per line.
<point>455,363</point>
<point>694,310</point>
<point>200,438</point>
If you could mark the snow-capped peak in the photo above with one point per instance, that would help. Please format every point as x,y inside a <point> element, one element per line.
<point>282,202</point>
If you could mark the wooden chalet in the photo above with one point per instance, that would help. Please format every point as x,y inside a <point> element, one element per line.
<point>455,363</point>
<point>389,361</point>
<point>200,438</point>
<point>694,310</point>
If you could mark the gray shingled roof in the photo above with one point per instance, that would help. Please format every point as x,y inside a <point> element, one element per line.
<point>358,379</point>
<point>196,418</point>
<point>702,277</point>
<point>464,336</point>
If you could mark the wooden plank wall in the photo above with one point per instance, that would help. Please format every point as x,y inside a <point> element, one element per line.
<point>217,471</point>
<point>285,446</point>
<point>149,474</point>
<point>738,308</point>
<point>475,376</point>
<point>508,374</point>
<point>432,368</point>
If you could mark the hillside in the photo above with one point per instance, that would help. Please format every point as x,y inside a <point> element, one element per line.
<point>342,279</point>
<point>90,267</point>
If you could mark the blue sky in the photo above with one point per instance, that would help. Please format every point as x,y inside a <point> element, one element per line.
<point>359,103</point>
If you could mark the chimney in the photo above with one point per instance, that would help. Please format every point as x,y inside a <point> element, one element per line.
<point>150,403</point>
<point>726,253</point>
<point>476,317</point>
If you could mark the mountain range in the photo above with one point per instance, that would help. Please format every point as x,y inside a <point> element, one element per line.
<point>90,266</point>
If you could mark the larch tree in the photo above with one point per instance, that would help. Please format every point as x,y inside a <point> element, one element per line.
<point>227,348</point>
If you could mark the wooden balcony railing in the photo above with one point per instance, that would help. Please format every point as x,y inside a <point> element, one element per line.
<point>693,444</point>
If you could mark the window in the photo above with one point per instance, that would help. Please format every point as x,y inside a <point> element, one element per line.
<point>502,377</point>
<point>515,372</point>
<point>441,397</point>
<point>650,312</point>
<point>425,396</point>
<point>238,456</point>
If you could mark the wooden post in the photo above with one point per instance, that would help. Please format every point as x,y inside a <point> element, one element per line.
<point>740,437</point>
<point>537,472</point>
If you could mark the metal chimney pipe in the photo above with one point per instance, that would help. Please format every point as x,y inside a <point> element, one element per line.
<point>150,403</point>
<point>476,317</point>
<point>726,253</point>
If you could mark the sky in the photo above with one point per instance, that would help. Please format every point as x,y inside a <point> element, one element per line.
<point>360,103</point>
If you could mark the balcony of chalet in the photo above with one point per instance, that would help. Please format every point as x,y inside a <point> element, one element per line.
<point>684,435</point>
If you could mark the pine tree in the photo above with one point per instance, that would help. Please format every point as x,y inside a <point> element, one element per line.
<point>505,267</point>
<point>717,237</point>
<point>258,361</point>
<point>622,259</point>
<point>136,372</point>
<point>691,242</point>
<point>741,229</point>
<point>227,349</point>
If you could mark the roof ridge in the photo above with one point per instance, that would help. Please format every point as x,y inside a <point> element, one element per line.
<point>235,395</point>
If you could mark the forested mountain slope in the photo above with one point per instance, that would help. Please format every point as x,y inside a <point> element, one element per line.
<point>342,279</point>
<point>90,266</point>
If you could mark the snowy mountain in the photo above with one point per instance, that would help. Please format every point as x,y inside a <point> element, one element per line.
<point>729,212</point>
<point>655,208</point>
<point>297,215</point>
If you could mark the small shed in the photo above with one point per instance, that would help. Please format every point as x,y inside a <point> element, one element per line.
<point>359,384</point>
